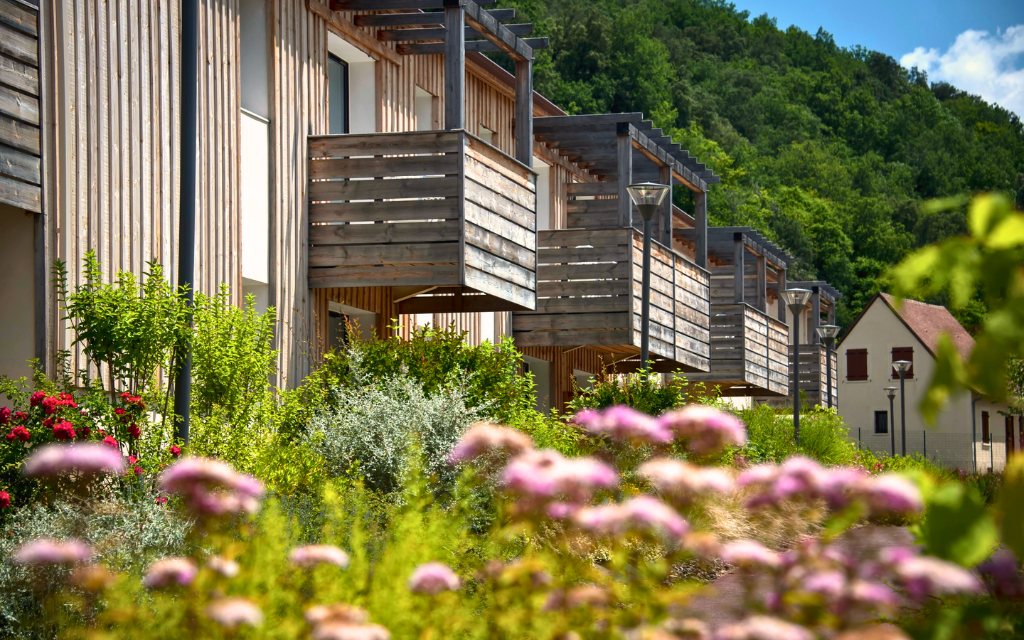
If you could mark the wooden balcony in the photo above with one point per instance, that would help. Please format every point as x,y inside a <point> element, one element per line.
<point>814,374</point>
<point>589,293</point>
<point>749,352</point>
<point>442,215</point>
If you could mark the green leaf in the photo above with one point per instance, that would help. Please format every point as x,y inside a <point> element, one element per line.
<point>1011,496</point>
<point>1008,234</point>
<point>958,526</point>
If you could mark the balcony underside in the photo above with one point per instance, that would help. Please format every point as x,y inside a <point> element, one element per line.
<point>590,293</point>
<point>748,353</point>
<point>442,216</point>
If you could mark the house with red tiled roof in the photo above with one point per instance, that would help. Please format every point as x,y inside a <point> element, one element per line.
<point>972,432</point>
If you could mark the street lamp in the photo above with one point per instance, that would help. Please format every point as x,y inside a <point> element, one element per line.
<point>796,300</point>
<point>891,392</point>
<point>901,367</point>
<point>647,197</point>
<point>828,333</point>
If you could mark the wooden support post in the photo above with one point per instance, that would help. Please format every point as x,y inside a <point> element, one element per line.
<point>524,112</point>
<point>812,330</point>
<point>665,228</point>
<point>832,313</point>
<point>762,284</point>
<point>782,303</point>
<point>700,228</point>
<point>455,65</point>
<point>739,251</point>
<point>625,177</point>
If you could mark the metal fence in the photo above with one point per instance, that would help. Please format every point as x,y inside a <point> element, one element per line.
<point>951,450</point>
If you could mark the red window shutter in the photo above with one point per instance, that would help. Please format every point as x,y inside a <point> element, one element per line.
<point>903,353</point>
<point>985,435</point>
<point>856,364</point>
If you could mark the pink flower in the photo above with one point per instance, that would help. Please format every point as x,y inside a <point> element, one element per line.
<point>231,613</point>
<point>86,459</point>
<point>224,566</point>
<point>45,551</point>
<point>5,416</point>
<point>684,481</point>
<point>483,438</point>
<point>309,556</point>
<point>344,631</point>
<point>704,429</point>
<point>872,594</point>
<point>211,487</point>
<point>546,474</point>
<point>63,431</point>
<point>925,576</point>
<point>110,442</point>
<point>1001,573</point>
<point>748,553</point>
<point>5,499</point>
<point>37,399</point>
<point>134,432</point>
<point>340,613</point>
<point>830,584</point>
<point>432,578</point>
<point>175,451</point>
<point>161,500</point>
<point>642,513</point>
<point>890,493</point>
<point>170,572</point>
<point>759,474</point>
<point>763,628</point>
<point>624,424</point>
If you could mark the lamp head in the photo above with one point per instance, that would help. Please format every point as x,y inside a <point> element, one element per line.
<point>901,367</point>
<point>648,196</point>
<point>891,392</point>
<point>796,297</point>
<point>828,331</point>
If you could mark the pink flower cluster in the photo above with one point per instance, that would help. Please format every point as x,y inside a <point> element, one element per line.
<point>170,572</point>
<point>702,429</point>
<point>801,478</point>
<point>211,487</point>
<point>483,439</point>
<point>232,613</point>
<point>642,514</point>
<point>83,459</point>
<point>433,578</point>
<point>622,423</point>
<point>45,551</point>
<point>312,555</point>
<point>343,622</point>
<point>539,476</point>
<point>683,482</point>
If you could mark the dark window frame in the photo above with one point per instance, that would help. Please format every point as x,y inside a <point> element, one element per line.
<point>986,433</point>
<point>346,92</point>
<point>856,352</point>
<point>1010,440</point>
<point>885,422</point>
<point>903,351</point>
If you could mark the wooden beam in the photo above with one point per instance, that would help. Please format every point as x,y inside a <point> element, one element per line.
<point>625,176</point>
<point>665,237</point>
<point>394,5</point>
<point>359,38</point>
<point>455,69</point>
<point>478,46</point>
<point>438,33</point>
<point>494,31</point>
<point>815,316</point>
<point>386,20</point>
<point>739,251</point>
<point>524,112</point>
<point>700,219</point>
<point>762,284</point>
<point>781,302</point>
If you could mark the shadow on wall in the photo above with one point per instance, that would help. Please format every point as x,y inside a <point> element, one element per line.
<point>17,286</point>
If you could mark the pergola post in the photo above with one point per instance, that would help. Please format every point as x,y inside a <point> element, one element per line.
<point>454,65</point>
<point>782,287</point>
<point>665,177</point>
<point>738,259</point>
<point>700,228</point>
<point>524,112</point>
<point>815,316</point>
<point>762,284</point>
<point>625,169</point>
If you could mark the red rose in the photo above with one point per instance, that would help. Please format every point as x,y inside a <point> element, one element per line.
<point>134,431</point>
<point>5,499</point>
<point>10,436</point>
<point>125,396</point>
<point>50,405</point>
<point>48,423</point>
<point>63,431</point>
<point>21,433</point>
<point>138,470</point>
<point>175,450</point>
<point>110,442</point>
<point>132,459</point>
<point>20,416</point>
<point>85,432</point>
<point>5,416</point>
<point>119,411</point>
<point>161,500</point>
<point>37,398</point>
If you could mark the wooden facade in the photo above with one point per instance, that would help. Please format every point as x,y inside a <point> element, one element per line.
<point>20,118</point>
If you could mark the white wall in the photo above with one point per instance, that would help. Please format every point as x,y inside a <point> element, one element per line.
<point>541,370</point>
<point>543,193</point>
<point>424,110</point>
<point>255,205</point>
<point>17,282</point>
<point>362,85</point>
<point>253,67</point>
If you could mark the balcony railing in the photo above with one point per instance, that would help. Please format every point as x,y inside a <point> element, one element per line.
<point>440,213</point>
<point>814,374</point>
<point>589,293</point>
<point>749,352</point>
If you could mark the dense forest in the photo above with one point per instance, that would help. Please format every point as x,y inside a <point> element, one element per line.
<point>831,152</point>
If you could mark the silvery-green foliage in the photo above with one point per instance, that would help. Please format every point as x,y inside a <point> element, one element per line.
<point>370,429</point>
<point>126,533</point>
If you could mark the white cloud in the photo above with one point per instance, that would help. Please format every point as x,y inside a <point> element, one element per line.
<point>980,63</point>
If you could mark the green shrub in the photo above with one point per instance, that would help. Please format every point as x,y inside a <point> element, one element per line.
<point>823,436</point>
<point>643,391</point>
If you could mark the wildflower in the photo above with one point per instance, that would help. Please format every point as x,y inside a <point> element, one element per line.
<point>169,572</point>
<point>748,553</point>
<point>642,513</point>
<point>890,493</point>
<point>5,500</point>
<point>110,442</point>
<point>343,631</point>
<point>36,399</point>
<point>175,451</point>
<point>93,578</point>
<point>763,628</point>
<point>872,594</point>
<point>224,566</point>
<point>432,578</point>
<point>830,584</point>
<point>134,432</point>
<point>211,487</point>
<point>86,459</point>
<point>758,475</point>
<point>624,424</point>
<point>63,431</point>
<point>309,556</point>
<point>161,500</point>
<point>546,474</point>
<point>46,551</point>
<point>685,481</point>
<point>704,429</point>
<point>926,576</point>
<point>483,438</point>
<point>230,613</point>
<point>5,416</point>
<point>1001,573</point>
<point>702,544</point>
<point>341,613</point>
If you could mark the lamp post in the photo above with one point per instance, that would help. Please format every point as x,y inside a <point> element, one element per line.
<point>891,392</point>
<point>902,367</point>
<point>647,197</point>
<point>828,333</point>
<point>796,300</point>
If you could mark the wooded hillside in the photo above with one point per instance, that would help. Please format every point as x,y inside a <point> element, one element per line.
<point>831,152</point>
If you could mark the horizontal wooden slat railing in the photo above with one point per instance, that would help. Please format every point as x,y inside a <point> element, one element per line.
<point>749,353</point>
<point>590,294</point>
<point>814,374</point>
<point>422,209</point>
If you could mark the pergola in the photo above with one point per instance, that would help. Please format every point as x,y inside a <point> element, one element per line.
<point>452,28</point>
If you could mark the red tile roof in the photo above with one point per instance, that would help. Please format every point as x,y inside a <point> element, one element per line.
<point>928,322</point>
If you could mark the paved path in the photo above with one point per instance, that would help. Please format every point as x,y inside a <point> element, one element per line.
<point>722,601</point>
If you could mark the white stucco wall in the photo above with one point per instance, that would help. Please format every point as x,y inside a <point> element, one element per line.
<point>950,438</point>
<point>17,281</point>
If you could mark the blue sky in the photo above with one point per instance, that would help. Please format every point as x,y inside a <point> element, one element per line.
<point>977,45</point>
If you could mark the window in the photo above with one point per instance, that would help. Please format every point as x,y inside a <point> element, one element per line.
<point>337,94</point>
<point>903,353</point>
<point>1009,435</point>
<point>486,135</point>
<point>985,435</point>
<point>856,364</point>
<point>881,422</point>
